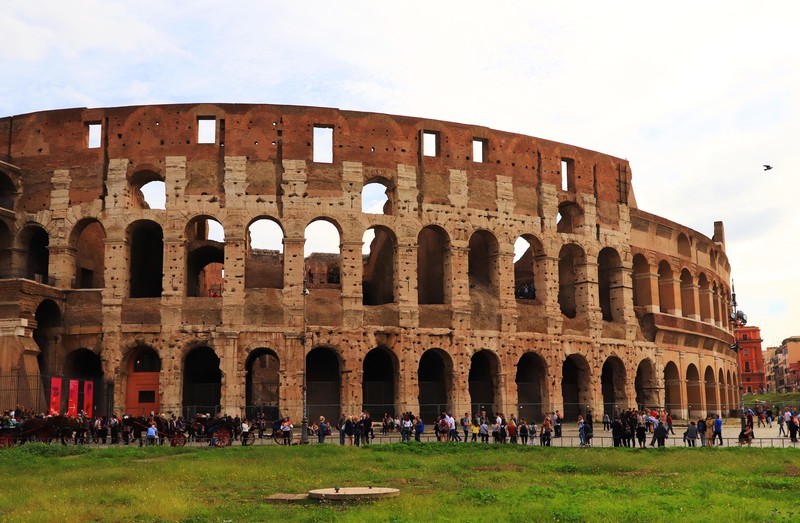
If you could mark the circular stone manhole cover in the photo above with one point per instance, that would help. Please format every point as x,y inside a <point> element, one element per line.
<point>353,493</point>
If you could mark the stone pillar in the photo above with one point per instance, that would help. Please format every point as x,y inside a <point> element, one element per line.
<point>232,398</point>
<point>459,284</point>
<point>406,283</point>
<point>650,282</point>
<point>351,277</point>
<point>175,180</point>
<point>117,190</point>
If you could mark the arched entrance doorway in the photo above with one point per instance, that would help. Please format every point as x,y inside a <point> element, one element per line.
<point>324,382</point>
<point>84,365</point>
<point>262,385</point>
<point>672,389</point>
<point>694,402</point>
<point>531,387</point>
<point>378,382</point>
<point>646,385</point>
<point>712,406</point>
<point>612,380</point>
<point>144,372</point>
<point>575,386</point>
<point>483,382</point>
<point>434,377</point>
<point>202,382</point>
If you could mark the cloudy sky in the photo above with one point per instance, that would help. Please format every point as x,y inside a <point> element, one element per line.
<point>696,95</point>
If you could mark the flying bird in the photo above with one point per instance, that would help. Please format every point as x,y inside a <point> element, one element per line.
<point>767,167</point>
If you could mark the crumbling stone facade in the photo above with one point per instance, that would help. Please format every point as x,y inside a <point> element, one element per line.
<point>608,306</point>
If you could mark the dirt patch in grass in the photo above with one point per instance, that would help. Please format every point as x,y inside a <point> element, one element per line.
<point>504,467</point>
<point>792,471</point>
<point>159,458</point>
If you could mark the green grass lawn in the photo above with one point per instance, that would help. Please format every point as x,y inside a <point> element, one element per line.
<point>437,482</point>
<point>781,399</point>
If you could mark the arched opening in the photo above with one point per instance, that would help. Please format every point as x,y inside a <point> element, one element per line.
<point>482,262</point>
<point>570,218</point>
<point>434,375</point>
<point>205,257</point>
<point>324,383</point>
<point>733,400</point>
<point>531,379</point>
<point>684,247</point>
<point>666,295</point>
<point>529,269</point>
<point>88,240</point>
<point>322,258</point>
<point>610,285</point>
<point>723,394</point>
<point>378,382</point>
<point>576,386</point>
<point>262,385</point>
<point>612,381</point>
<point>83,365</point>
<point>570,261</point>
<point>483,381</point>
<point>202,382</point>
<point>376,198</point>
<point>672,388</point>
<point>378,253</point>
<point>35,241</point>
<point>712,406</point>
<point>705,297</point>
<point>7,192</point>
<point>693,398</point>
<point>715,301</point>
<point>143,388</point>
<point>433,266</point>
<point>6,241</point>
<point>148,190</point>
<point>687,295</point>
<point>146,243</point>
<point>646,385</point>
<point>46,335</point>
<point>263,266</point>
<point>642,297</point>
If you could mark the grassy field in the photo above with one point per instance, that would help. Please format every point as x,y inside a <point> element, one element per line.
<point>785,399</point>
<point>438,482</point>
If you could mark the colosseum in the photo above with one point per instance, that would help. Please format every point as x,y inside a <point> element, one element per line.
<point>497,271</point>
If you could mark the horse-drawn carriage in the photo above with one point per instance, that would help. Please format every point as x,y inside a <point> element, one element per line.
<point>166,429</point>
<point>38,429</point>
<point>219,432</point>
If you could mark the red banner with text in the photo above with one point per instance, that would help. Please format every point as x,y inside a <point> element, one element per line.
<point>88,396</point>
<point>55,396</point>
<point>72,405</point>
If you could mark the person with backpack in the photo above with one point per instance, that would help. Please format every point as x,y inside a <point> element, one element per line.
<point>419,428</point>
<point>523,431</point>
<point>323,430</point>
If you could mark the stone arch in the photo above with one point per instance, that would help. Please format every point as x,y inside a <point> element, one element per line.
<point>433,266</point>
<point>143,389</point>
<point>715,302</point>
<point>46,335</point>
<point>202,381</point>
<point>530,273</point>
<point>262,384</point>
<point>483,262</point>
<point>323,254</point>
<point>435,378</point>
<point>570,218</point>
<point>725,401</point>
<point>323,383</point>
<point>612,382</point>
<point>377,196</point>
<point>147,188</point>
<point>687,294</point>
<point>205,257</point>
<point>379,382</point>
<point>704,292</point>
<point>666,294</point>
<point>34,240</point>
<point>88,239</point>
<point>712,406</point>
<point>642,295</point>
<point>6,243</point>
<point>646,385</point>
<point>672,388</point>
<point>380,266</point>
<point>84,365</point>
<point>576,388</point>
<point>264,260</point>
<point>684,246</point>
<point>571,259</point>
<point>532,386</point>
<point>693,397</point>
<point>483,382</point>
<point>610,285</point>
<point>8,192</point>
<point>146,259</point>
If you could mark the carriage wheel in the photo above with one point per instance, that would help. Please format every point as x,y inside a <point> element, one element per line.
<point>277,437</point>
<point>178,440</point>
<point>223,437</point>
<point>6,441</point>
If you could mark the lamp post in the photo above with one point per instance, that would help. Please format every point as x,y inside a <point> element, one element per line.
<point>738,318</point>
<point>304,422</point>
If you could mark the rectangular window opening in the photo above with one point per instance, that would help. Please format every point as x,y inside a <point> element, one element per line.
<point>478,150</point>
<point>567,174</point>
<point>206,129</point>
<point>95,132</point>
<point>430,143</point>
<point>323,144</point>
<point>147,396</point>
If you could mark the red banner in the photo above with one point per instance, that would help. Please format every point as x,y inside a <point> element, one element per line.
<point>72,405</point>
<point>55,396</point>
<point>88,397</point>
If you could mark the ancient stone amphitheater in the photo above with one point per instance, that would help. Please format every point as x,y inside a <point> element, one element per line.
<point>499,272</point>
